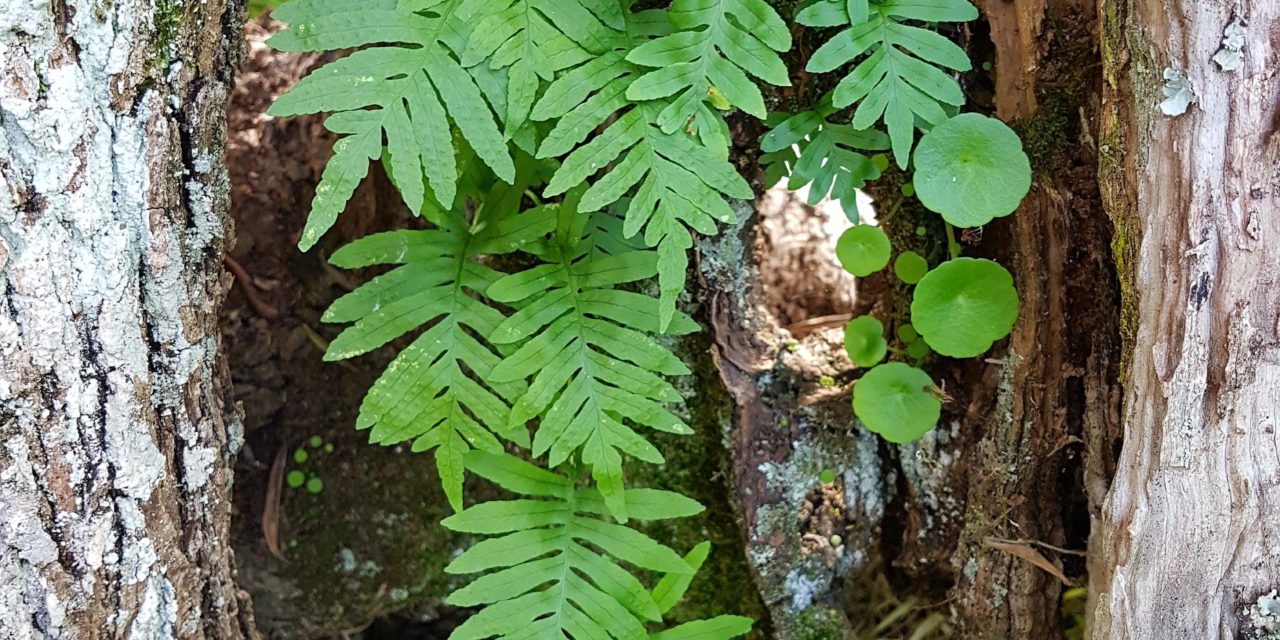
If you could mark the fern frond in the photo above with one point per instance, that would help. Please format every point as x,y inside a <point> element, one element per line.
<point>437,392</point>
<point>595,370</point>
<point>408,89</point>
<point>716,45</point>
<point>555,564</point>
<point>535,39</point>
<point>811,150</point>
<point>678,183</point>
<point>897,82</point>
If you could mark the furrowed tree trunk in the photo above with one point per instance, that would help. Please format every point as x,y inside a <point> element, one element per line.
<point>115,435</point>
<point>1186,543</point>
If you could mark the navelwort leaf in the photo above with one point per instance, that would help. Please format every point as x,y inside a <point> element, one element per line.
<point>864,341</point>
<point>863,250</point>
<point>897,81</point>
<point>823,156</point>
<point>595,370</point>
<point>410,90</point>
<point>895,401</point>
<point>910,267</point>
<point>717,43</point>
<point>971,169</point>
<point>556,569</point>
<point>438,392</point>
<point>963,306</point>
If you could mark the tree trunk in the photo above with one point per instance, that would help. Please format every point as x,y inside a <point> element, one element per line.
<point>116,434</point>
<point>1186,543</point>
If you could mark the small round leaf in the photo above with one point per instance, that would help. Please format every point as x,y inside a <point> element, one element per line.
<point>863,250</point>
<point>910,267</point>
<point>907,333</point>
<point>864,341</point>
<point>894,400</point>
<point>971,169</point>
<point>918,350</point>
<point>963,306</point>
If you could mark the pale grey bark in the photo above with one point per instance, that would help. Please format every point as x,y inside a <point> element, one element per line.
<point>115,437</point>
<point>1189,536</point>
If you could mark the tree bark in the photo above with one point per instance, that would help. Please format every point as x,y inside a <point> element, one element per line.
<point>115,435</point>
<point>1187,539</point>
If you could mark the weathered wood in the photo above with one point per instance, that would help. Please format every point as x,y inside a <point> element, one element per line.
<point>1054,388</point>
<point>1186,540</point>
<point>115,434</point>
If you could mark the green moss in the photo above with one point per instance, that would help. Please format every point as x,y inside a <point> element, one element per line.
<point>368,544</point>
<point>698,466</point>
<point>819,623</point>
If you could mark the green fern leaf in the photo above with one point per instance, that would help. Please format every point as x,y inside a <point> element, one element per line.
<point>432,393</point>
<point>898,82</point>
<point>408,90</point>
<point>677,183</point>
<point>822,155</point>
<point>716,45</point>
<point>535,39</point>
<point>595,369</point>
<point>556,560</point>
<point>717,628</point>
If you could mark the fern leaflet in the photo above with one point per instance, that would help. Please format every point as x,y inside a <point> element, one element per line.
<point>589,357</point>
<point>678,183</point>
<point>432,393</point>
<point>534,39</point>
<point>556,560</point>
<point>717,43</point>
<point>409,90</point>
<point>897,82</point>
<point>811,150</point>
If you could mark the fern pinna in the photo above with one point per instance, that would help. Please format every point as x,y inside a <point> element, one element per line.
<point>585,141</point>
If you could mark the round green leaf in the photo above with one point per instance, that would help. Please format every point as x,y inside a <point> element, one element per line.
<point>827,476</point>
<point>863,250</point>
<point>971,169</point>
<point>864,341</point>
<point>295,479</point>
<point>910,267</point>
<point>894,401</point>
<point>315,485</point>
<point>918,350</point>
<point>963,306</point>
<point>907,333</point>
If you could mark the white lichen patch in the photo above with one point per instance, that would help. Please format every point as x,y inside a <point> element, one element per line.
<point>1229,58</point>
<point>1264,618</point>
<point>1177,92</point>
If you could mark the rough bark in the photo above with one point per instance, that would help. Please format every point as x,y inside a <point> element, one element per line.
<point>117,437</point>
<point>1053,389</point>
<point>1187,538</point>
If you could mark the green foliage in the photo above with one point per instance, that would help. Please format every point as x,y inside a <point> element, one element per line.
<point>864,341</point>
<point>910,267</point>
<point>717,43</point>
<point>963,306</point>
<point>863,250</point>
<point>810,150</point>
<point>565,155</point>
<point>584,343</point>
<point>439,392</point>
<point>896,80</point>
<point>555,568</point>
<point>409,91</point>
<point>971,169</point>
<point>895,400</point>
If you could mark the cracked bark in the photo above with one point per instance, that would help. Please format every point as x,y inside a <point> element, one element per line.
<point>116,436</point>
<point>1186,539</point>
